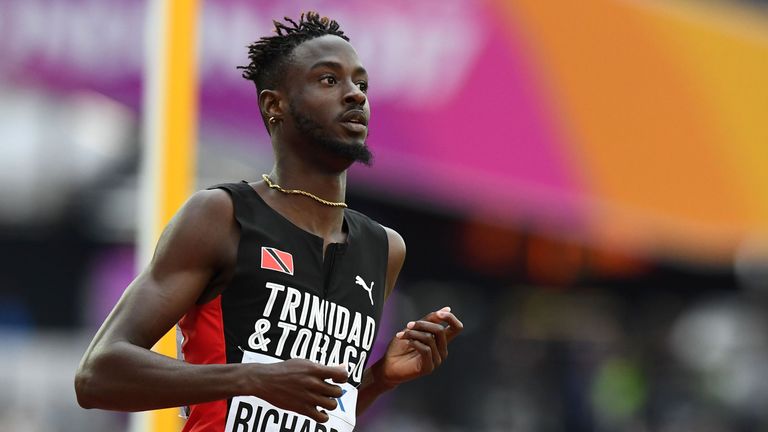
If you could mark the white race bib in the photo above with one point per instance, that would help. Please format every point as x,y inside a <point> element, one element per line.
<point>251,414</point>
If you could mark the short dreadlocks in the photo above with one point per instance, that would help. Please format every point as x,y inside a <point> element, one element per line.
<point>270,54</point>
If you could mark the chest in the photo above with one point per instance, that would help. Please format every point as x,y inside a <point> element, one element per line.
<point>289,299</point>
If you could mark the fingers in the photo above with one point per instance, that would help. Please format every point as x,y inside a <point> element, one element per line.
<point>321,393</point>
<point>432,353</point>
<point>341,375</point>
<point>328,403</point>
<point>425,352</point>
<point>315,414</point>
<point>445,315</point>
<point>302,386</point>
<point>323,397</point>
<point>336,373</point>
<point>437,338</point>
<point>430,336</point>
<point>328,390</point>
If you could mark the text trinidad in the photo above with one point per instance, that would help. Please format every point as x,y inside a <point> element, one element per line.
<point>321,331</point>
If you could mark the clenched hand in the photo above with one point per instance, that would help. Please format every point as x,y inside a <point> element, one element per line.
<point>300,386</point>
<point>421,347</point>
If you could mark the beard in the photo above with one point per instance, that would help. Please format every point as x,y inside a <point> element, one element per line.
<point>354,152</point>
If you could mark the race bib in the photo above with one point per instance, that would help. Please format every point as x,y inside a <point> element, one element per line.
<point>251,414</point>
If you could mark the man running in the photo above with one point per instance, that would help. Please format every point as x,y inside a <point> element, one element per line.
<point>276,286</point>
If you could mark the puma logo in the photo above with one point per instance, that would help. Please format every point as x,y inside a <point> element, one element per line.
<point>361,282</point>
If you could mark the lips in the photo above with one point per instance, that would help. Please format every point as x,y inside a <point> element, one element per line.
<point>355,117</point>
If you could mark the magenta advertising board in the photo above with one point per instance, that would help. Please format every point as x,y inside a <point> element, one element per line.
<point>457,116</point>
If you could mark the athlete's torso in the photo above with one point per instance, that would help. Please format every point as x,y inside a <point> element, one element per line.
<point>286,300</point>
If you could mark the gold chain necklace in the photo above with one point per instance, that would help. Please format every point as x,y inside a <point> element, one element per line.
<point>301,192</point>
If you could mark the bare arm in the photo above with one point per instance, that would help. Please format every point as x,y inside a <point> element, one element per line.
<point>417,350</point>
<point>118,370</point>
<point>373,383</point>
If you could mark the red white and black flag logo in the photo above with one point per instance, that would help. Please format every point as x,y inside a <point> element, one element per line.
<point>277,260</point>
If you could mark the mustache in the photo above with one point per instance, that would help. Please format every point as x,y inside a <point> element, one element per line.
<point>353,109</point>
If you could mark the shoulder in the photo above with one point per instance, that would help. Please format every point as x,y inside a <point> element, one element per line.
<point>396,257</point>
<point>396,243</point>
<point>395,247</point>
<point>206,206</point>
<point>210,201</point>
<point>200,231</point>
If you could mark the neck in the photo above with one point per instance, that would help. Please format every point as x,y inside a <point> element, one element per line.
<point>320,219</point>
<point>328,186</point>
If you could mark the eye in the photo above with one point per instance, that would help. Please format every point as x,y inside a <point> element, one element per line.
<point>329,79</point>
<point>363,85</point>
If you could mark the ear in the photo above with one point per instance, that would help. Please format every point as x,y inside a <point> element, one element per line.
<point>270,104</point>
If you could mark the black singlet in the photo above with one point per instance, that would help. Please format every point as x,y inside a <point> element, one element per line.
<point>286,300</point>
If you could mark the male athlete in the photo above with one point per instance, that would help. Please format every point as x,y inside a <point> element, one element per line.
<point>276,287</point>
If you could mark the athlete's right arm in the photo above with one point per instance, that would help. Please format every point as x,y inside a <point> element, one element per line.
<point>120,372</point>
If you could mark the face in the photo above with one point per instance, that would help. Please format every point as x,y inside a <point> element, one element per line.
<point>326,89</point>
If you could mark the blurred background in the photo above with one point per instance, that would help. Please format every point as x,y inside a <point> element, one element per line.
<point>585,183</point>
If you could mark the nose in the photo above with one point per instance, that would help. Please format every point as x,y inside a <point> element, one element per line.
<point>354,96</point>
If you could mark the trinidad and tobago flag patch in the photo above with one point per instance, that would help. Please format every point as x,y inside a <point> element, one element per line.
<point>277,260</point>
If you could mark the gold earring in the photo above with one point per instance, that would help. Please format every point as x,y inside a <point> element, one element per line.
<point>272,120</point>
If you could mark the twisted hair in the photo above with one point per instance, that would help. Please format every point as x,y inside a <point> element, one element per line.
<point>270,54</point>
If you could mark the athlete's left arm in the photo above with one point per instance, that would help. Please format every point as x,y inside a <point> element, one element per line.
<point>415,351</point>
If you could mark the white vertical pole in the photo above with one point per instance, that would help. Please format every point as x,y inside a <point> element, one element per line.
<point>168,154</point>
